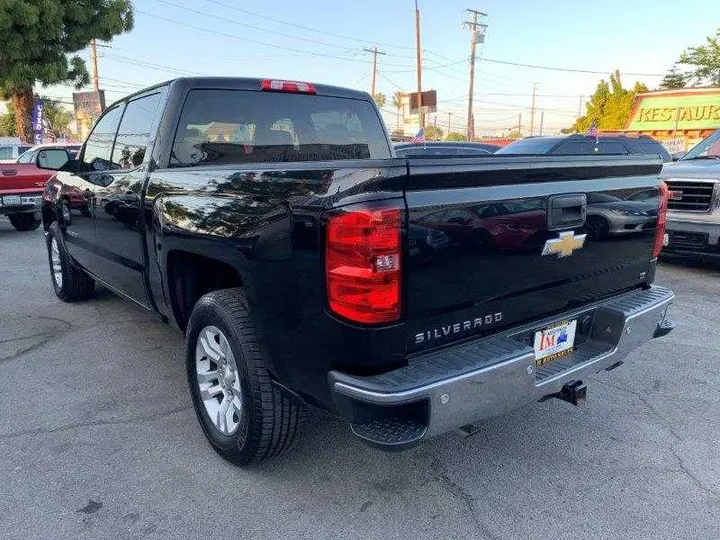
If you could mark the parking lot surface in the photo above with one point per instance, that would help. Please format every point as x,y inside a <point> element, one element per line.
<point>99,440</point>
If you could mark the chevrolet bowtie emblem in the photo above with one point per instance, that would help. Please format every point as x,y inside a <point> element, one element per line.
<point>564,245</point>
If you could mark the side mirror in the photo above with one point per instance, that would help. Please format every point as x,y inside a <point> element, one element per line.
<point>675,156</point>
<point>52,159</point>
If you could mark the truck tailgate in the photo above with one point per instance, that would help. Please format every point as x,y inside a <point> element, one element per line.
<point>498,241</point>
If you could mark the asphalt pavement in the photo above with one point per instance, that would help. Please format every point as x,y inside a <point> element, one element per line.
<point>98,440</point>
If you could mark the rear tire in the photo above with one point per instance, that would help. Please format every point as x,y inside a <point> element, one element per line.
<point>25,221</point>
<point>70,284</point>
<point>245,416</point>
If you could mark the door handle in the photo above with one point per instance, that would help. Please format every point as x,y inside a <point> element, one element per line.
<point>567,211</point>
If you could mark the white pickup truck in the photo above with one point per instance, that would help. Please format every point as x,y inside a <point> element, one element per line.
<point>693,223</point>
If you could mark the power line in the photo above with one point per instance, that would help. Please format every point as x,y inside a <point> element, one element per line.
<point>572,70</point>
<point>151,65</point>
<point>255,27</point>
<point>249,40</point>
<point>310,29</point>
<point>390,81</point>
<point>554,68</point>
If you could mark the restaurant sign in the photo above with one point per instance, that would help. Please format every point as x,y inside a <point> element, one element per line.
<point>676,112</point>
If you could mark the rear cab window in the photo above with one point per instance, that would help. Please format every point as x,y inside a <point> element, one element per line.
<point>530,145</point>
<point>241,126</point>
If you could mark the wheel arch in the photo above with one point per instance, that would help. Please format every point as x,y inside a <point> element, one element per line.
<point>191,273</point>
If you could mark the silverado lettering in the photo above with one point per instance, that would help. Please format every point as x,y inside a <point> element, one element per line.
<point>456,328</point>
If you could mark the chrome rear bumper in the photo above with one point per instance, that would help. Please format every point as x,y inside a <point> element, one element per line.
<point>462,384</point>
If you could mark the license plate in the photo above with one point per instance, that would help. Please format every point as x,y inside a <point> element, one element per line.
<point>554,341</point>
<point>11,200</point>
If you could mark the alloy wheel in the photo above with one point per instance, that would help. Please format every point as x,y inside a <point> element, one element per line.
<point>218,380</point>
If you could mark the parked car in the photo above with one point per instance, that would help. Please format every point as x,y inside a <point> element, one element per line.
<point>694,205</point>
<point>445,148</point>
<point>271,222</point>
<point>11,148</point>
<point>22,184</point>
<point>608,215</point>
<point>30,155</point>
<point>588,145</point>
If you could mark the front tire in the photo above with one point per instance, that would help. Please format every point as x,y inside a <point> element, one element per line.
<point>70,284</point>
<point>246,418</point>
<point>25,221</point>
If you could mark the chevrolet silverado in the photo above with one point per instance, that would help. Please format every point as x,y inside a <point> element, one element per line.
<point>271,222</point>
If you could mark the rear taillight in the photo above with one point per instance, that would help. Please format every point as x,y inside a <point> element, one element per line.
<point>362,264</point>
<point>664,194</point>
<point>293,87</point>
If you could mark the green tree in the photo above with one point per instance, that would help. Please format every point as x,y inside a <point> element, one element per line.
<point>380,99</point>
<point>674,79</point>
<point>7,124</point>
<point>514,134</point>
<point>609,106</point>
<point>433,133</point>
<point>454,136</point>
<point>704,61</point>
<point>397,103</point>
<point>38,35</point>
<point>58,117</point>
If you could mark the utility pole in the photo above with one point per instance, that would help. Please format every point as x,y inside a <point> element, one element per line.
<point>421,114</point>
<point>477,35</point>
<point>532,109</point>
<point>373,76</point>
<point>448,126</point>
<point>580,106</point>
<point>520,124</point>
<point>542,121</point>
<point>93,61</point>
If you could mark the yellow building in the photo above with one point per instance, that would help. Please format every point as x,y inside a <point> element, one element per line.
<point>678,118</point>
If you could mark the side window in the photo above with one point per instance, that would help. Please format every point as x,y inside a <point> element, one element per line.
<point>27,157</point>
<point>98,148</point>
<point>134,132</point>
<point>612,147</point>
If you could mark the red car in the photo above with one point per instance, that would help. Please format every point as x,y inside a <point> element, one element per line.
<point>504,225</point>
<point>22,184</point>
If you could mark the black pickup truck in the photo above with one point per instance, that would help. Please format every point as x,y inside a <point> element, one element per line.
<point>306,264</point>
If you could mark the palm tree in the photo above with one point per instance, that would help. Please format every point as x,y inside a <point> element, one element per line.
<point>380,99</point>
<point>397,103</point>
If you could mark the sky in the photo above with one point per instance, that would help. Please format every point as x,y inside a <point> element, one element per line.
<point>323,41</point>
